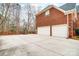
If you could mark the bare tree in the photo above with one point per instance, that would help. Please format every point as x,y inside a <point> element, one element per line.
<point>30,17</point>
<point>11,17</point>
<point>25,27</point>
<point>10,13</point>
<point>17,17</point>
<point>4,11</point>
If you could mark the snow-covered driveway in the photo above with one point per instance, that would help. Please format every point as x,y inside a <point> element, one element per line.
<point>33,44</point>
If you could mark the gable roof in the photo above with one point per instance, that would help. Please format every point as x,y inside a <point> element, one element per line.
<point>68,6</point>
<point>49,7</point>
<point>63,8</point>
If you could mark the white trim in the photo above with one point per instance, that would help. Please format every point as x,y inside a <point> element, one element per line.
<point>53,6</point>
<point>48,7</point>
<point>60,30</point>
<point>59,9</point>
<point>45,30</point>
<point>69,11</point>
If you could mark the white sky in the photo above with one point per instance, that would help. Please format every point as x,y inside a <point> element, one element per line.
<point>42,5</point>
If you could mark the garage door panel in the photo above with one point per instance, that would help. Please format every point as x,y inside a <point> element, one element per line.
<point>44,30</point>
<point>60,31</point>
<point>57,30</point>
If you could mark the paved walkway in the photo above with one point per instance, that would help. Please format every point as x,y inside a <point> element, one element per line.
<point>37,45</point>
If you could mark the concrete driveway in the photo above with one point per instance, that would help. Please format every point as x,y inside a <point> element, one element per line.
<point>37,45</point>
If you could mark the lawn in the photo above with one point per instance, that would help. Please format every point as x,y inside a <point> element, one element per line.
<point>76,37</point>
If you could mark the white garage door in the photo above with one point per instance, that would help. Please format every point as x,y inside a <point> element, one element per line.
<point>57,30</point>
<point>60,30</point>
<point>44,30</point>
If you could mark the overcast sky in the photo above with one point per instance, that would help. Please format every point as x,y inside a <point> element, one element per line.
<point>42,5</point>
<point>36,5</point>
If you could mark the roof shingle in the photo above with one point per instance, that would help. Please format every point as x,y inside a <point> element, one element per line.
<point>68,6</point>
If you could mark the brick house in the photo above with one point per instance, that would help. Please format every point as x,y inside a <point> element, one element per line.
<point>58,21</point>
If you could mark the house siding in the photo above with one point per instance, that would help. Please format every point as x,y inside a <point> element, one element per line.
<point>77,22</point>
<point>70,27</point>
<point>56,17</point>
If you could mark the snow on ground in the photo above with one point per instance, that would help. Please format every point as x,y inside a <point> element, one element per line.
<point>36,45</point>
<point>15,51</point>
<point>16,40</point>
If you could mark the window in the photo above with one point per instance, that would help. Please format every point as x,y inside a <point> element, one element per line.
<point>47,13</point>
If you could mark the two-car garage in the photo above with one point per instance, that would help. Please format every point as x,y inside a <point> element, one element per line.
<point>57,30</point>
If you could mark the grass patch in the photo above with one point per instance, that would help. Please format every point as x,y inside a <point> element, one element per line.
<point>76,37</point>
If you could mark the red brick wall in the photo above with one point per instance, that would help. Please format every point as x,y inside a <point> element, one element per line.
<point>77,22</point>
<point>70,25</point>
<point>55,17</point>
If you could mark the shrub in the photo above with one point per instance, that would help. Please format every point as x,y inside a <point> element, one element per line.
<point>77,31</point>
